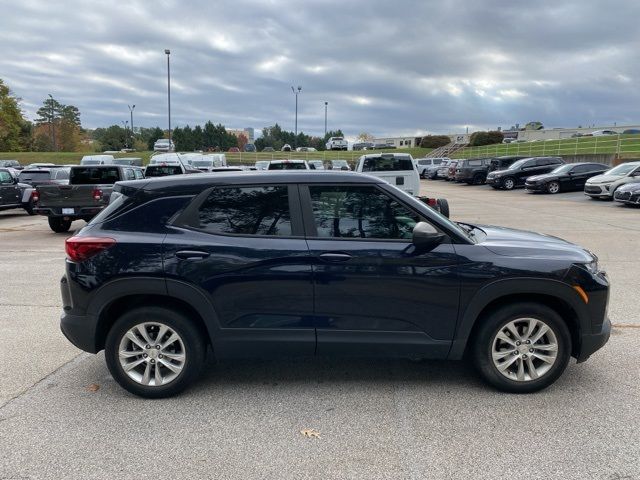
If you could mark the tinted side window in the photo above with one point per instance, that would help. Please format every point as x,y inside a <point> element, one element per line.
<point>474,163</point>
<point>61,174</point>
<point>128,174</point>
<point>582,169</point>
<point>360,212</point>
<point>5,177</point>
<point>246,211</point>
<point>93,175</point>
<point>437,161</point>
<point>539,162</point>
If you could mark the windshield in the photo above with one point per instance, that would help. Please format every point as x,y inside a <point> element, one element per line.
<point>162,170</point>
<point>339,163</point>
<point>287,166</point>
<point>517,164</point>
<point>622,169</point>
<point>562,168</point>
<point>203,163</point>
<point>93,175</point>
<point>162,142</point>
<point>387,164</point>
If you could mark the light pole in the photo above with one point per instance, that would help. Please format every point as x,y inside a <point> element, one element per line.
<point>168,52</point>
<point>131,108</point>
<point>53,126</point>
<point>296,92</point>
<point>325,119</point>
<point>126,133</point>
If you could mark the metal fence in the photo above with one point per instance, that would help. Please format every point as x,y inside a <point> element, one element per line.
<point>610,144</point>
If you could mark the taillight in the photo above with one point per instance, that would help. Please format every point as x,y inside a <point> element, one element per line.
<point>81,248</point>
<point>97,194</point>
<point>35,196</point>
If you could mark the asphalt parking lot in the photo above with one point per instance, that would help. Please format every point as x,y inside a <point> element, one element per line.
<point>376,418</point>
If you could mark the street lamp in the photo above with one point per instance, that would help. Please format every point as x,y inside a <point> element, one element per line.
<point>168,52</point>
<point>325,119</point>
<point>296,92</point>
<point>53,126</point>
<point>126,133</point>
<point>131,108</point>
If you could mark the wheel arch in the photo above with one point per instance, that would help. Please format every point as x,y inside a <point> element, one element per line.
<point>554,294</point>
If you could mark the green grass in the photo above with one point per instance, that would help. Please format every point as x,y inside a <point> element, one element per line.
<point>625,145</point>
<point>62,158</point>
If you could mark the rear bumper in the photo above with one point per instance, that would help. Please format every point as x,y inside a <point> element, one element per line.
<point>591,343</point>
<point>79,212</point>
<point>80,330</point>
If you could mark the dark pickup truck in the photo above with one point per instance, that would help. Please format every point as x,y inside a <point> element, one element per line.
<point>12,192</point>
<point>84,197</point>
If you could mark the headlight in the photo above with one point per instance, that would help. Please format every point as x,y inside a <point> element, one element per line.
<point>592,267</point>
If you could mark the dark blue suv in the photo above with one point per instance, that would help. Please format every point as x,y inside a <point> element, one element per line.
<point>257,264</point>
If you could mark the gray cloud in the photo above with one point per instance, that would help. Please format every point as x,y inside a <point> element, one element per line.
<point>398,67</point>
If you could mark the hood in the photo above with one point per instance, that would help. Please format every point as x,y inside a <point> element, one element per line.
<point>546,176</point>
<point>495,173</point>
<point>521,243</point>
<point>630,187</point>
<point>605,178</point>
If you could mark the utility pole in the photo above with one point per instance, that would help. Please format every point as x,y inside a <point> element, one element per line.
<point>325,119</point>
<point>131,108</point>
<point>53,126</point>
<point>168,52</point>
<point>296,92</point>
<point>126,133</point>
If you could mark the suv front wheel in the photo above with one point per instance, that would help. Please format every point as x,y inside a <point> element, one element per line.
<point>508,183</point>
<point>522,348</point>
<point>154,352</point>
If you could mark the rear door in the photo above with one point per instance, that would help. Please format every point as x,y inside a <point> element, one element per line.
<point>244,248</point>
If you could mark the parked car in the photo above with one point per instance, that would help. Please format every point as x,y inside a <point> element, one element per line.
<point>519,171</point>
<point>451,171</point>
<point>286,148</point>
<point>44,176</point>
<point>501,163</point>
<point>472,171</point>
<point>631,131</point>
<point>382,146</point>
<point>288,165</point>
<point>305,149</point>
<point>210,161</point>
<point>395,168</point>
<point>432,171</point>
<point>268,149</point>
<point>604,186</point>
<point>362,145</point>
<point>262,165</point>
<point>316,164</point>
<point>600,133</point>
<point>167,169</point>
<point>131,161</point>
<point>568,177</point>
<point>628,194</point>
<point>179,266</point>
<point>423,165</point>
<point>97,160</point>
<point>164,145</point>
<point>86,194</point>
<point>336,143</point>
<point>12,192</point>
<point>336,164</point>
<point>234,150</point>
<point>249,147</point>
<point>443,170</point>
<point>15,164</point>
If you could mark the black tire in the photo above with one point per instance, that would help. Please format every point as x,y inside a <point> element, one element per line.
<point>191,336</point>
<point>443,206</point>
<point>478,179</point>
<point>492,324</point>
<point>59,225</point>
<point>508,183</point>
<point>553,187</point>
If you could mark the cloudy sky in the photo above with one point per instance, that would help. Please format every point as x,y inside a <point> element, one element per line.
<point>385,67</point>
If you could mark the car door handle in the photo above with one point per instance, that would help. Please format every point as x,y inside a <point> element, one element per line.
<point>335,257</point>
<point>191,255</point>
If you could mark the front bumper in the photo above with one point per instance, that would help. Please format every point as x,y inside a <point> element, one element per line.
<point>535,187</point>
<point>597,191</point>
<point>591,343</point>
<point>627,197</point>
<point>494,181</point>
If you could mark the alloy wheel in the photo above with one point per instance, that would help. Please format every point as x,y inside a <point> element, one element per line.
<point>508,183</point>
<point>524,349</point>
<point>152,354</point>
<point>553,187</point>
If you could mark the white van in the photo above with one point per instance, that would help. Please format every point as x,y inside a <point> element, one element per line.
<point>397,169</point>
<point>97,160</point>
<point>210,161</point>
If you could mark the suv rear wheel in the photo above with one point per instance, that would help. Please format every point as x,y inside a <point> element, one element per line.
<point>154,352</point>
<point>478,179</point>
<point>522,348</point>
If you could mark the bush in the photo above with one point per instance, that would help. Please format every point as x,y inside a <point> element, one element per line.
<point>434,141</point>
<point>485,138</point>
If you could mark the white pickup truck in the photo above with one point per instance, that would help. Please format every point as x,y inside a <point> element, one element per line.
<point>336,143</point>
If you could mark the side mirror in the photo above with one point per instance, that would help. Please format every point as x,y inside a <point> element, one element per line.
<point>425,237</point>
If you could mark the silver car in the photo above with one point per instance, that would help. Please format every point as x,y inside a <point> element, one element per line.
<point>605,185</point>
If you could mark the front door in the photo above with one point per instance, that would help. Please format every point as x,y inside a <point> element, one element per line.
<point>9,191</point>
<point>373,293</point>
<point>244,247</point>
